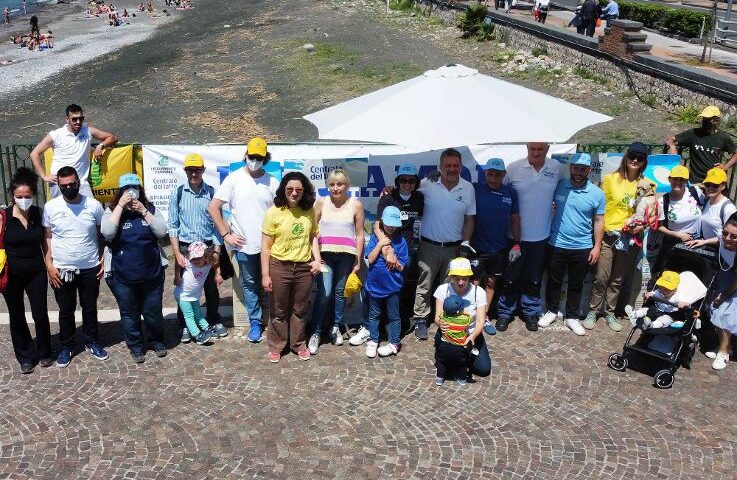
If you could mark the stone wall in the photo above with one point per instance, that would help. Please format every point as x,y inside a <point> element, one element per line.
<point>652,79</point>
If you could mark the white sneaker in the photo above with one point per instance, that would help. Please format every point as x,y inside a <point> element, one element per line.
<point>547,319</point>
<point>336,336</point>
<point>314,344</point>
<point>575,326</point>
<point>713,354</point>
<point>388,349</point>
<point>631,314</point>
<point>720,362</point>
<point>360,337</point>
<point>371,348</point>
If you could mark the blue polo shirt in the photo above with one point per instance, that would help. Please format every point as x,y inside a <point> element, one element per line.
<point>575,209</point>
<point>493,209</point>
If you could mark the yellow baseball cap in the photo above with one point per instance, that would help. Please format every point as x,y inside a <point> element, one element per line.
<point>257,146</point>
<point>679,171</point>
<point>194,160</point>
<point>710,111</point>
<point>669,280</point>
<point>716,175</point>
<point>460,266</point>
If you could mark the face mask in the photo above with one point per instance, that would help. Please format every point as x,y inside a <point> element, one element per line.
<point>254,165</point>
<point>23,203</point>
<point>134,193</point>
<point>405,197</point>
<point>70,193</point>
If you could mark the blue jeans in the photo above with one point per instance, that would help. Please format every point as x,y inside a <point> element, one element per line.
<point>135,300</point>
<point>525,289</point>
<point>331,282</point>
<point>392,311</point>
<point>250,276</point>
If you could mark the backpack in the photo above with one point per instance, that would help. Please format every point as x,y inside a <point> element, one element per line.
<point>694,194</point>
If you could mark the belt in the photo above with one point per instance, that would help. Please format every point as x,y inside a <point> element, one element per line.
<point>441,244</point>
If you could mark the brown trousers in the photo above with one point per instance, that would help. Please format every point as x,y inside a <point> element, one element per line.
<point>288,303</point>
<point>611,270</point>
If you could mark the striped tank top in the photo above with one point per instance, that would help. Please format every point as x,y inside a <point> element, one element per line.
<point>337,228</point>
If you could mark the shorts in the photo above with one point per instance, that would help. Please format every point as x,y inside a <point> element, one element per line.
<point>487,265</point>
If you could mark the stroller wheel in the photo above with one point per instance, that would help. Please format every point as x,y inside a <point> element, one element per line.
<point>618,362</point>
<point>664,379</point>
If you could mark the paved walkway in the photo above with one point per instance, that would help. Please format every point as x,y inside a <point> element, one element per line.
<point>551,409</point>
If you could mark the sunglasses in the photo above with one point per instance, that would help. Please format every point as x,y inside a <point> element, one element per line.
<point>406,180</point>
<point>69,185</point>
<point>193,170</point>
<point>711,186</point>
<point>638,158</point>
<point>76,119</point>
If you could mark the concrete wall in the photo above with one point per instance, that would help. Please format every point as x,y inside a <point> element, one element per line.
<point>672,85</point>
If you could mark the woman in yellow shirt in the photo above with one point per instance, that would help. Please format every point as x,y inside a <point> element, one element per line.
<point>620,191</point>
<point>290,259</point>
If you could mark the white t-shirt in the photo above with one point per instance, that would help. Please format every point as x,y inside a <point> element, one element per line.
<point>74,232</point>
<point>445,210</point>
<point>193,282</point>
<point>249,199</point>
<point>535,192</point>
<point>474,294</point>
<point>684,215</point>
<point>711,222</point>
<point>71,150</point>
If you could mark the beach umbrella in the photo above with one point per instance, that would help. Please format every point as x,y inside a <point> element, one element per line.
<point>453,106</point>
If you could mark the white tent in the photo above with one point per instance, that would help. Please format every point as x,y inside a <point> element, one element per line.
<point>453,106</point>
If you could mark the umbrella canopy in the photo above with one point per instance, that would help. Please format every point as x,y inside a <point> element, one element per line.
<point>453,106</point>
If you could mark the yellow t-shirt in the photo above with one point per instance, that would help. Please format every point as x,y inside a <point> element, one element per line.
<point>620,198</point>
<point>290,229</point>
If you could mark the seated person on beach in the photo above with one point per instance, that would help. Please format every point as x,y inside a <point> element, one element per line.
<point>125,13</point>
<point>658,314</point>
<point>141,8</point>
<point>45,39</point>
<point>34,42</point>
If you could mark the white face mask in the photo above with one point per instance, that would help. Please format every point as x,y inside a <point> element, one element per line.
<point>134,192</point>
<point>23,203</point>
<point>254,165</point>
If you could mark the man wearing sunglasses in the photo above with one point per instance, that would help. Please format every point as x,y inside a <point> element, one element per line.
<point>71,144</point>
<point>707,145</point>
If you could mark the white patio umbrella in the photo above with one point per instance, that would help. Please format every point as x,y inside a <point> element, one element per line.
<point>453,106</point>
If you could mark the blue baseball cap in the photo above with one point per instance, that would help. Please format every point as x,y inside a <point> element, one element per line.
<point>128,180</point>
<point>495,164</point>
<point>407,169</point>
<point>454,305</point>
<point>581,159</point>
<point>391,217</point>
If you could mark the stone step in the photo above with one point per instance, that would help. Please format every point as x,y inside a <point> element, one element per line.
<point>627,25</point>
<point>634,37</point>
<point>638,47</point>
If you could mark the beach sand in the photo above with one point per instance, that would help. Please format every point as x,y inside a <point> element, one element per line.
<point>76,40</point>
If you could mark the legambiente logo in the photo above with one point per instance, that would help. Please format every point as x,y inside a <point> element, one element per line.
<point>298,229</point>
<point>163,161</point>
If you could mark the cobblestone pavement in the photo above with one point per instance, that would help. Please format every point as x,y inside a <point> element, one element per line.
<point>551,409</point>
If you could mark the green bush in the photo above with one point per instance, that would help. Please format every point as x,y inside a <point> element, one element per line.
<point>471,20</point>
<point>402,5</point>
<point>680,21</point>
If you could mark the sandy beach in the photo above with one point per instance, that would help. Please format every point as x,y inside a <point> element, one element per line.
<point>77,40</point>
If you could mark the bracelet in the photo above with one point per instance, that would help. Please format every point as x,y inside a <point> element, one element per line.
<point>226,233</point>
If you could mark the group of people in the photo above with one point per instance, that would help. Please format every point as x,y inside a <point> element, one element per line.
<point>478,253</point>
<point>35,40</point>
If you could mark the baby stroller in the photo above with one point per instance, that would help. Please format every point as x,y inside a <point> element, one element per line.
<point>671,346</point>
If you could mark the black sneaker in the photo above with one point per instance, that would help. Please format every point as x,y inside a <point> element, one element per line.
<point>26,368</point>
<point>138,357</point>
<point>502,324</point>
<point>531,324</point>
<point>46,362</point>
<point>421,329</point>
<point>160,350</point>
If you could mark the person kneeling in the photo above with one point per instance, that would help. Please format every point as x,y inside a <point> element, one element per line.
<point>474,306</point>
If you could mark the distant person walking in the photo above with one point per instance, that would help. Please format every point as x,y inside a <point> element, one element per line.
<point>24,7</point>
<point>6,14</point>
<point>34,24</point>
<point>610,12</point>
<point>71,144</point>
<point>589,14</point>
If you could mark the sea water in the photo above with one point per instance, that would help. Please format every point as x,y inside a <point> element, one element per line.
<point>16,6</point>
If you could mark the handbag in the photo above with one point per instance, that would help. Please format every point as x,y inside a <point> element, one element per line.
<point>3,255</point>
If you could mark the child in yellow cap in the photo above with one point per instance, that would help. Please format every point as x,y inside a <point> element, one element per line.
<point>665,289</point>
